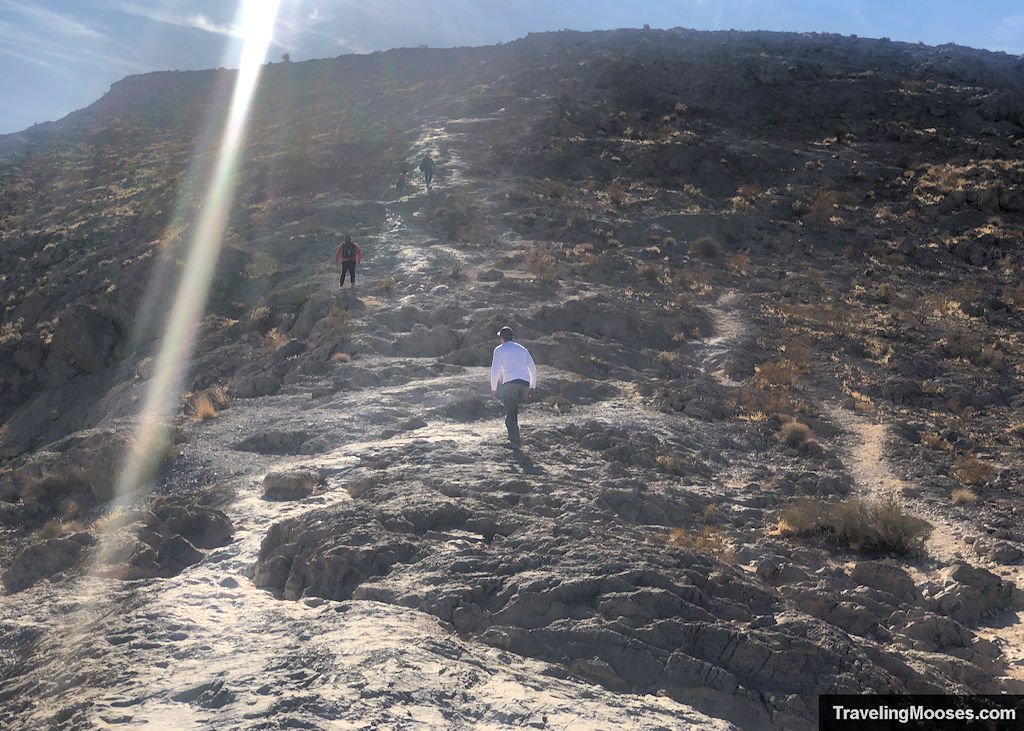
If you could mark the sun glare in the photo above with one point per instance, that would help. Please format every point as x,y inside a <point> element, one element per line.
<point>257,18</point>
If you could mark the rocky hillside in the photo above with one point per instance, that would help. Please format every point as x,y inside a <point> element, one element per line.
<point>772,284</point>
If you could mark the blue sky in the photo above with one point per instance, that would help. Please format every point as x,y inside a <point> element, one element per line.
<point>60,55</point>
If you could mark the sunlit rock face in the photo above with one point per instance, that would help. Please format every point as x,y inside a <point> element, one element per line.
<point>770,283</point>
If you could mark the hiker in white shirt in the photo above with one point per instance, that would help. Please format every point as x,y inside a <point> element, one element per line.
<point>513,368</point>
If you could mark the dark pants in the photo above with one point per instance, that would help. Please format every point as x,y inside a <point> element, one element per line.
<point>350,268</point>
<point>513,394</point>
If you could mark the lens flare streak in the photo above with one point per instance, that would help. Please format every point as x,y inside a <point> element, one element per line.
<point>171,362</point>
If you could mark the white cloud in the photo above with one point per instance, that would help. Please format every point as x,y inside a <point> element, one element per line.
<point>179,15</point>
<point>59,42</point>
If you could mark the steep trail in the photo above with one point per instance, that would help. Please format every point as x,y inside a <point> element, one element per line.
<point>208,649</point>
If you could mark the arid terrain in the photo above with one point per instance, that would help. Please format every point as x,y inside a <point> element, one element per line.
<point>772,283</point>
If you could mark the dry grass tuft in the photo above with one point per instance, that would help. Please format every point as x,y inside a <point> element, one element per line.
<point>203,406</point>
<point>868,525</point>
<point>962,496</point>
<point>57,527</point>
<point>710,541</point>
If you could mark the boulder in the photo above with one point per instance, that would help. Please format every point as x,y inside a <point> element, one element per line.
<point>42,560</point>
<point>202,527</point>
<point>83,465</point>
<point>175,554</point>
<point>84,338</point>
<point>886,576</point>
<point>970,592</point>
<point>290,485</point>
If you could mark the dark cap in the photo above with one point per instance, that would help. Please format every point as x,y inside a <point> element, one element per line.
<point>506,333</point>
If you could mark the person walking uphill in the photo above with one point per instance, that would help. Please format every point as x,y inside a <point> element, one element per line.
<point>349,254</point>
<point>427,168</point>
<point>513,366</point>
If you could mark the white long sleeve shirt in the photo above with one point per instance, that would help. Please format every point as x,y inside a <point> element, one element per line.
<point>512,361</point>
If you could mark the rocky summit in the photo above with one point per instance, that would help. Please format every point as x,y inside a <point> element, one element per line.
<point>772,284</point>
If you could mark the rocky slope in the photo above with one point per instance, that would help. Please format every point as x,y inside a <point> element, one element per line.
<point>772,284</point>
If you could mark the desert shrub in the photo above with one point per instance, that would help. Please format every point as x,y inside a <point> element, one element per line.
<point>706,247</point>
<point>541,263</point>
<point>757,405</point>
<point>295,297</point>
<point>1014,294</point>
<point>822,204</point>
<point>969,346</point>
<point>617,192</point>
<point>970,470</point>
<point>990,357</point>
<point>262,266</point>
<point>273,340</point>
<point>261,318</point>
<point>932,440</point>
<point>651,273</point>
<point>387,285</point>
<point>338,322</point>
<point>10,332</point>
<point>553,188</point>
<point>794,433</point>
<point>585,254</point>
<point>670,463</point>
<point>777,373</point>
<point>868,525</point>
<point>739,263</point>
<point>962,496</point>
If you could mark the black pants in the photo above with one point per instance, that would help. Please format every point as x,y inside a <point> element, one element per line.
<point>350,267</point>
<point>512,394</point>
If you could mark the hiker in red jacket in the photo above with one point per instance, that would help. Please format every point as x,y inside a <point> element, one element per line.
<point>349,254</point>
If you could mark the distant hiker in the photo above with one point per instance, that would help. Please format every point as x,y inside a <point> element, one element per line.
<point>349,254</point>
<point>427,168</point>
<point>513,365</point>
<point>400,183</point>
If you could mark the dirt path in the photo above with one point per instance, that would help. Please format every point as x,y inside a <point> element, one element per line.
<point>863,452</point>
<point>729,328</point>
